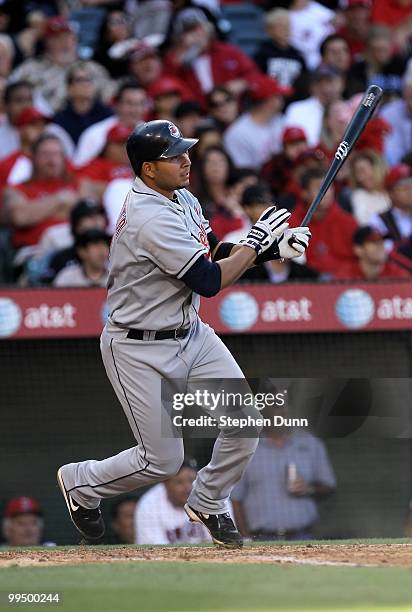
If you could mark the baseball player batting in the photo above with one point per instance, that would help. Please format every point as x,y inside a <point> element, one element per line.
<point>164,256</point>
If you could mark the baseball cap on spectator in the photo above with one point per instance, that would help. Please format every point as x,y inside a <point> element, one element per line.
<point>58,25</point>
<point>398,173</point>
<point>30,115</point>
<point>293,134</point>
<point>313,155</point>
<point>324,71</point>
<point>366,234</point>
<point>164,86</point>
<point>118,133</point>
<point>84,208</point>
<point>22,505</point>
<point>91,236</point>
<point>142,50</point>
<point>188,19</point>
<point>262,87</point>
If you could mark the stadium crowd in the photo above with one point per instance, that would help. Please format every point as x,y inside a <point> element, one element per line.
<point>268,125</point>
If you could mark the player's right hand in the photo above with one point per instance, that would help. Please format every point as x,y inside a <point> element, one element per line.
<point>271,224</point>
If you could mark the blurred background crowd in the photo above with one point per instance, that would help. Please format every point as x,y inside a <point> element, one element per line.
<point>267,87</point>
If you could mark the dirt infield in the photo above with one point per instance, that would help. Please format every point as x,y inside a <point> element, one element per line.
<point>350,555</point>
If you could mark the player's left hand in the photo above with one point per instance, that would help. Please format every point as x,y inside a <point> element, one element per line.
<point>294,242</point>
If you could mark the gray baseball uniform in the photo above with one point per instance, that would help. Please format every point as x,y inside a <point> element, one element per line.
<point>156,241</point>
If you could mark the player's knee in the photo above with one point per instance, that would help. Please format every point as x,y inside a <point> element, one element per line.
<point>168,466</point>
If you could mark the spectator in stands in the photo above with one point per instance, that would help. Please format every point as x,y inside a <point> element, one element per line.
<point>39,209</point>
<point>23,523</point>
<point>311,22</point>
<point>108,177</point>
<point>223,106</point>
<point>92,250</point>
<point>278,171</point>
<point>83,107</point>
<point>219,206</point>
<point>145,63</point>
<point>111,162</point>
<point>372,258</point>
<point>396,14</point>
<point>166,94</point>
<point>130,106</point>
<point>276,497</point>
<point>335,52</point>
<point>336,117</point>
<point>122,526</point>
<point>114,43</point>
<point>17,167</point>
<point>355,29</point>
<point>255,200</point>
<point>48,72</point>
<point>277,57</point>
<point>17,97</point>
<point>257,134</point>
<point>86,215</point>
<point>7,53</point>
<point>160,517</point>
<point>332,228</point>
<point>202,62</point>
<point>395,224</point>
<point>188,117</point>
<point>208,135</point>
<point>368,196</point>
<point>398,114</point>
<point>326,86</point>
<point>380,66</point>
<point>239,179</point>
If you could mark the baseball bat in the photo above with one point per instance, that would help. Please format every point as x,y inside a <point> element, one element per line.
<point>355,128</point>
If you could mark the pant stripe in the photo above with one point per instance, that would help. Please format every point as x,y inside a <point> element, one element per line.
<point>102,484</point>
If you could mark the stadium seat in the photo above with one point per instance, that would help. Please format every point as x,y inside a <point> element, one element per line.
<point>88,22</point>
<point>247,30</point>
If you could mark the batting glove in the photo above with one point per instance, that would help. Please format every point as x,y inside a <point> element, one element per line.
<point>294,242</point>
<point>270,226</point>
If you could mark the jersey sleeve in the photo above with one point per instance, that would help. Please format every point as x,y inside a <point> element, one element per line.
<point>170,245</point>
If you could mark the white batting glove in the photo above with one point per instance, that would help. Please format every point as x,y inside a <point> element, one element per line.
<point>294,242</point>
<point>271,224</point>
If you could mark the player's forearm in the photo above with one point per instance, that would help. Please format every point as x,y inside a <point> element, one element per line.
<point>232,268</point>
<point>24,214</point>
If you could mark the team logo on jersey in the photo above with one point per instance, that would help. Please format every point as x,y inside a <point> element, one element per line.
<point>174,130</point>
<point>203,239</point>
<point>121,221</point>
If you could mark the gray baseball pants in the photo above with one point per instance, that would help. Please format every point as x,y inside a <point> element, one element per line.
<point>135,369</point>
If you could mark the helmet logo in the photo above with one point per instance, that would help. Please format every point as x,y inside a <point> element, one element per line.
<point>174,130</point>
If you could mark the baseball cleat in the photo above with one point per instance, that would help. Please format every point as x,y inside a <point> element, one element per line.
<point>89,522</point>
<point>220,526</point>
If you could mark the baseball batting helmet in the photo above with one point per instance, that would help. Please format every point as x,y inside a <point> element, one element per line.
<point>155,140</point>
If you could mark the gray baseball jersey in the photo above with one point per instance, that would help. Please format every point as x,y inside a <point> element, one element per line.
<point>156,241</point>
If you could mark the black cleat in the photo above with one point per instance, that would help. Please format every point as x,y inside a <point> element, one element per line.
<point>89,522</point>
<point>220,526</point>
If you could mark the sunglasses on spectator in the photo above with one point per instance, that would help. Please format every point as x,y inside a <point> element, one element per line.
<point>221,102</point>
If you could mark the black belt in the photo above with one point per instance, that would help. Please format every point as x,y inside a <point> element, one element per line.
<point>148,334</point>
